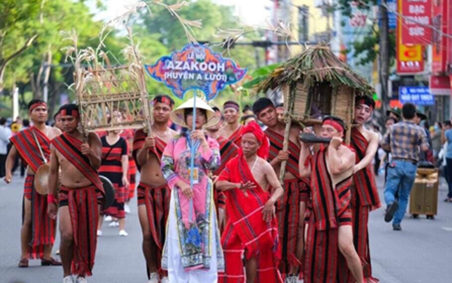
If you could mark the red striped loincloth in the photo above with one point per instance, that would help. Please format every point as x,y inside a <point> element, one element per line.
<point>84,212</point>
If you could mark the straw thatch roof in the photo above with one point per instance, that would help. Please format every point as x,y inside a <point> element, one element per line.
<point>316,64</point>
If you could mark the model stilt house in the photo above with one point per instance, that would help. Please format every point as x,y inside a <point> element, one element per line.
<point>316,84</point>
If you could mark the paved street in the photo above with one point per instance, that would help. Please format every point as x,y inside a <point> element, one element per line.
<point>421,253</point>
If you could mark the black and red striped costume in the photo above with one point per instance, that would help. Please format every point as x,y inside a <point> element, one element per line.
<point>128,135</point>
<point>43,228</point>
<point>364,199</point>
<point>83,204</point>
<point>330,210</point>
<point>236,136</point>
<point>228,150</point>
<point>288,207</point>
<point>156,199</point>
<point>111,168</point>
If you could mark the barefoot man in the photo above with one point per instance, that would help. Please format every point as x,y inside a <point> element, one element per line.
<point>80,195</point>
<point>38,230</point>
<point>231,130</point>
<point>330,227</point>
<point>364,190</point>
<point>251,229</point>
<point>290,209</point>
<point>153,193</point>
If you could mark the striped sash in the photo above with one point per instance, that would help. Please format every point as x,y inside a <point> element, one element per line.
<point>138,143</point>
<point>26,145</point>
<point>236,137</point>
<point>366,186</point>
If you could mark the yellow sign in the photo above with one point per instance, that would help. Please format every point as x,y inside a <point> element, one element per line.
<point>410,53</point>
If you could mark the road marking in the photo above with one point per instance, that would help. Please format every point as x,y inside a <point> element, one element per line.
<point>448,229</point>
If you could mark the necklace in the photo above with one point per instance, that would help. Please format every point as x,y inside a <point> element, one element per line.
<point>255,162</point>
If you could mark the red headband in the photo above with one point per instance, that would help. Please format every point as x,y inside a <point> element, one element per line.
<point>164,100</point>
<point>69,112</point>
<point>334,124</point>
<point>363,101</point>
<point>34,106</point>
<point>254,128</point>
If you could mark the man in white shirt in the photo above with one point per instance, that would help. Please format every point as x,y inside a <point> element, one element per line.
<point>5,134</point>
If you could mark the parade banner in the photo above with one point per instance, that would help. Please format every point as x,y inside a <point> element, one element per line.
<point>195,67</point>
<point>416,21</point>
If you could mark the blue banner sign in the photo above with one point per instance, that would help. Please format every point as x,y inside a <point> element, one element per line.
<point>418,95</point>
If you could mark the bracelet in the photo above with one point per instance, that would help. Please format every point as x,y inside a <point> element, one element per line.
<point>51,199</point>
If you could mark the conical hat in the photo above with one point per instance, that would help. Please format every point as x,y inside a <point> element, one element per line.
<point>177,116</point>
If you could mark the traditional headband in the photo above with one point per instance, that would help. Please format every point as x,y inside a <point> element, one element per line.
<point>69,112</point>
<point>36,105</point>
<point>231,104</point>
<point>334,124</point>
<point>165,100</point>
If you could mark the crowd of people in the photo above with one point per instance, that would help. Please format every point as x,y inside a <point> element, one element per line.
<point>211,202</point>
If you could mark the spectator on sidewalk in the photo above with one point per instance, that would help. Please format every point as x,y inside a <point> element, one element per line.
<point>5,134</point>
<point>404,140</point>
<point>446,137</point>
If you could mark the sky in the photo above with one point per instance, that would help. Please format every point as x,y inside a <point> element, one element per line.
<point>252,12</point>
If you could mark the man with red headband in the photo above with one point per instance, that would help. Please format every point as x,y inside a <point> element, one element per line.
<point>228,150</point>
<point>80,196</point>
<point>330,227</point>
<point>231,130</point>
<point>153,193</point>
<point>364,190</point>
<point>290,209</point>
<point>252,228</point>
<point>33,145</point>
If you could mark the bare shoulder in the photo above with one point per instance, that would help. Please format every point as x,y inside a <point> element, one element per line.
<point>93,138</point>
<point>54,132</point>
<point>346,151</point>
<point>266,167</point>
<point>373,136</point>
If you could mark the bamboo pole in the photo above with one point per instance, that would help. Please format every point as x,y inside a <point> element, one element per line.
<point>288,118</point>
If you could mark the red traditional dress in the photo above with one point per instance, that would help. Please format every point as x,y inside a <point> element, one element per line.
<point>43,228</point>
<point>128,135</point>
<point>83,204</point>
<point>111,167</point>
<point>364,199</point>
<point>288,206</point>
<point>156,199</point>
<point>330,210</point>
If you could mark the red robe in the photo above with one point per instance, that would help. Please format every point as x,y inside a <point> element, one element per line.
<point>288,206</point>
<point>43,228</point>
<point>330,209</point>
<point>246,231</point>
<point>83,205</point>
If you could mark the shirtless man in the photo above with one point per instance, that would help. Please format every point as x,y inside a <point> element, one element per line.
<point>245,181</point>
<point>290,209</point>
<point>231,130</point>
<point>228,150</point>
<point>330,227</point>
<point>80,186</point>
<point>153,193</point>
<point>36,242</point>
<point>364,190</point>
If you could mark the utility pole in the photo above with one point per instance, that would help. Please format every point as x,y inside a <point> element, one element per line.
<point>384,56</point>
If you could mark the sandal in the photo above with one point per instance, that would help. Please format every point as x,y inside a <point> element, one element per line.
<point>23,262</point>
<point>50,262</point>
